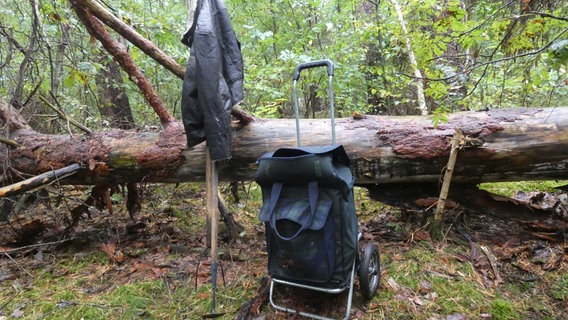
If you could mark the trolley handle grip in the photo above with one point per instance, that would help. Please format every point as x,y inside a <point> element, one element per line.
<point>314,64</point>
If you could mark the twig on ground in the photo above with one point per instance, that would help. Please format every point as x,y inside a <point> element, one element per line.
<point>33,246</point>
<point>493,263</point>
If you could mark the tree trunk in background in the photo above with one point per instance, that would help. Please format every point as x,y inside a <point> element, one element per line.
<point>113,102</point>
<point>25,75</point>
<point>505,145</point>
<point>114,106</point>
<point>420,97</point>
<point>57,65</point>
<point>374,59</point>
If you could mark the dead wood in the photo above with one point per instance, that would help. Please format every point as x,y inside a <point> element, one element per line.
<point>233,228</point>
<point>12,118</point>
<point>65,117</point>
<point>40,181</point>
<point>131,35</point>
<point>543,223</point>
<point>513,145</point>
<point>465,196</point>
<point>121,55</point>
<point>252,307</point>
<point>133,199</point>
<point>99,198</point>
<point>456,141</point>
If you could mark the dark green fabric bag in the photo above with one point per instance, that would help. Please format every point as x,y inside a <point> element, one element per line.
<point>309,214</point>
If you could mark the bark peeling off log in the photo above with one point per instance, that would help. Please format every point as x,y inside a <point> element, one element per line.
<point>511,145</point>
<point>147,155</point>
<point>519,144</point>
<point>415,140</point>
<point>111,156</point>
<point>41,153</point>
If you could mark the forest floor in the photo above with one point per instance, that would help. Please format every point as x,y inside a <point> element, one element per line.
<point>156,266</point>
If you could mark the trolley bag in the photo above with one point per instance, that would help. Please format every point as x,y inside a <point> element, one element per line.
<point>309,214</point>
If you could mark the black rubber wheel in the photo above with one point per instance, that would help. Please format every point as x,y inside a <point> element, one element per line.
<point>370,271</point>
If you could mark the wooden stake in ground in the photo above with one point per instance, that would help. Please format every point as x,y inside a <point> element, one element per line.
<point>211,184</point>
<point>439,215</point>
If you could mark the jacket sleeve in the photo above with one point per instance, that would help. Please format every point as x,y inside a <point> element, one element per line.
<point>213,80</point>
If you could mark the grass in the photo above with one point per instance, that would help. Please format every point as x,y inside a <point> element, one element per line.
<point>66,297</point>
<point>427,281</point>
<point>510,188</point>
<point>420,279</point>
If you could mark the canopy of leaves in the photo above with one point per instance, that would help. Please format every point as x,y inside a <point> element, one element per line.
<point>473,55</point>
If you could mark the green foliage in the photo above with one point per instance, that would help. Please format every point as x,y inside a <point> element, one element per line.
<point>559,52</point>
<point>487,54</point>
<point>439,116</point>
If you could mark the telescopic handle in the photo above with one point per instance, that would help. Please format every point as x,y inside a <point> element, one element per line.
<point>314,64</point>
<point>308,65</point>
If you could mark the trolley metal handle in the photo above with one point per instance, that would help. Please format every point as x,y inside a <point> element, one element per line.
<point>314,64</point>
<point>330,70</point>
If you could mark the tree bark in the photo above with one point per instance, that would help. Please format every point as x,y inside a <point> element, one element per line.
<point>23,76</point>
<point>145,45</point>
<point>509,145</point>
<point>113,102</point>
<point>38,182</point>
<point>121,55</point>
<point>131,35</point>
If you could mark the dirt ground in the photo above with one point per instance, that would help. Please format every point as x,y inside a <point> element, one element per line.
<point>167,240</point>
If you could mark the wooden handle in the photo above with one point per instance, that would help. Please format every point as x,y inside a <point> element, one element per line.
<point>211,186</point>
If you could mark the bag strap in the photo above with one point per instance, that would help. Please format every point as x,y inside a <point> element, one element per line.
<point>313,193</point>
<point>274,195</point>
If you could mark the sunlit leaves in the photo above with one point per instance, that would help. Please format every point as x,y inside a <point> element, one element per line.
<point>74,78</point>
<point>439,116</point>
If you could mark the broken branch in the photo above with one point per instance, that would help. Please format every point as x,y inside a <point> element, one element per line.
<point>64,116</point>
<point>8,142</point>
<point>456,142</point>
<point>37,182</point>
<point>134,37</point>
<point>148,47</point>
<point>120,55</point>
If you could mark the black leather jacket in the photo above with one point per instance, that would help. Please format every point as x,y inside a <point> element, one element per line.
<point>213,81</point>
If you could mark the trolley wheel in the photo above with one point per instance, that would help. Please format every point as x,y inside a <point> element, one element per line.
<point>369,270</point>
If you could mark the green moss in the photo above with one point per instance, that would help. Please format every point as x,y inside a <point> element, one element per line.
<point>123,161</point>
<point>559,289</point>
<point>510,188</point>
<point>503,310</point>
<point>138,295</point>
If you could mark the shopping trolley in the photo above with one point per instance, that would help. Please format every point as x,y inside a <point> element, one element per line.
<point>310,219</point>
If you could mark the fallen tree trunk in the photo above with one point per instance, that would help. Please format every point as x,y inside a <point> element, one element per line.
<point>506,145</point>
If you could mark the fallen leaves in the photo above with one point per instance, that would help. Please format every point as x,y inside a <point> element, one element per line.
<point>420,297</point>
<point>536,257</point>
<point>111,251</point>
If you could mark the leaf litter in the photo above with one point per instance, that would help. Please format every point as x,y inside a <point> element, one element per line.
<point>166,243</point>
